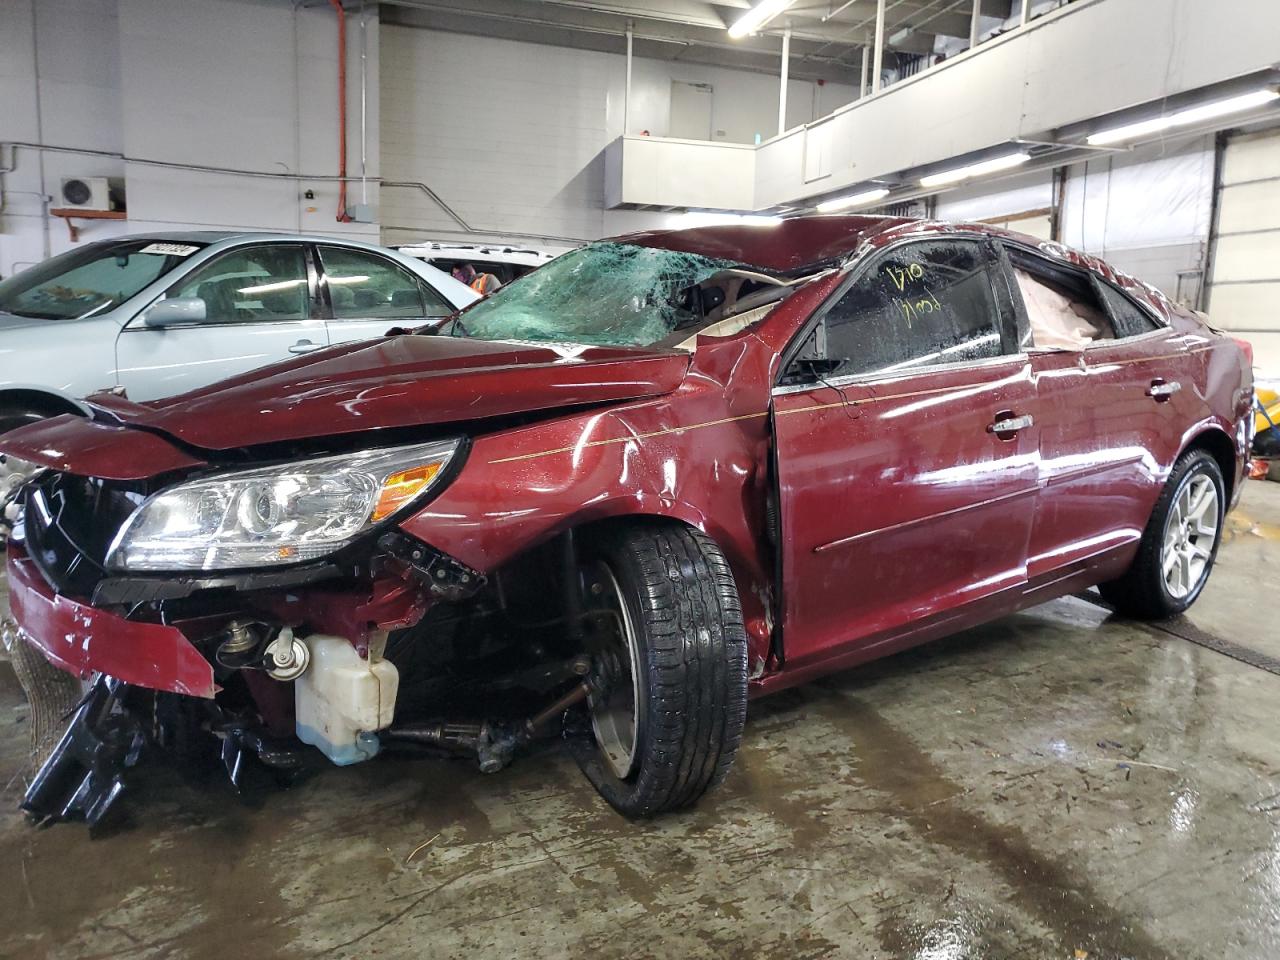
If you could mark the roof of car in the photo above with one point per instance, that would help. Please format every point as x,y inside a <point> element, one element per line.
<point>803,242</point>
<point>789,245</point>
<point>217,236</point>
<point>427,247</point>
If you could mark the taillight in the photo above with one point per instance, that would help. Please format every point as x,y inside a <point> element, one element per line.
<point>1247,347</point>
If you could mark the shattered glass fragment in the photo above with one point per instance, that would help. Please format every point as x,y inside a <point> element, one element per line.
<point>612,294</point>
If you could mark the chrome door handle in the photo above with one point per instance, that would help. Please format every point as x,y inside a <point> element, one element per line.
<point>1161,390</point>
<point>304,346</point>
<point>1011,424</point>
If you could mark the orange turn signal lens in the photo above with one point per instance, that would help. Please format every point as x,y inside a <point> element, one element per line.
<point>401,487</point>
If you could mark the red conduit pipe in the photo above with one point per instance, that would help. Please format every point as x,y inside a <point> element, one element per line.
<point>342,110</point>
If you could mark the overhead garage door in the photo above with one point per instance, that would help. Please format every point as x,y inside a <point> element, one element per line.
<point>1245,289</point>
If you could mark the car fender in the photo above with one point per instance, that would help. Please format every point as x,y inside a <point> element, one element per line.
<point>1216,436</point>
<point>40,394</point>
<point>706,466</point>
<point>73,359</point>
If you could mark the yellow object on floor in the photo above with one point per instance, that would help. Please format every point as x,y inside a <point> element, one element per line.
<point>1269,400</point>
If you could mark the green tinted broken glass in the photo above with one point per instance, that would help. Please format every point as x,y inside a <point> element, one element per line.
<point>616,294</point>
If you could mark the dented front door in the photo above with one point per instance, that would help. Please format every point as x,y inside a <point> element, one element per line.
<point>907,486</point>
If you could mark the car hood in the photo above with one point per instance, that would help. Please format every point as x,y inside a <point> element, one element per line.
<point>397,381</point>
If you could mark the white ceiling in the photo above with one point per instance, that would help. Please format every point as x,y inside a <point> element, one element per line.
<point>827,35</point>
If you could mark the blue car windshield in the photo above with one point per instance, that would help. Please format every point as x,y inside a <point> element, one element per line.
<point>90,280</point>
<point>616,294</point>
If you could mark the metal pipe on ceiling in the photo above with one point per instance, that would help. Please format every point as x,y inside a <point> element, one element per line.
<point>839,10</point>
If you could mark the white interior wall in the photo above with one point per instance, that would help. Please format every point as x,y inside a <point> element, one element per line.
<point>261,96</point>
<point>744,104</point>
<point>78,104</point>
<point>230,83</point>
<point>519,148</point>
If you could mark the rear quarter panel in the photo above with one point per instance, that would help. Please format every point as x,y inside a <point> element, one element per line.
<point>1215,368</point>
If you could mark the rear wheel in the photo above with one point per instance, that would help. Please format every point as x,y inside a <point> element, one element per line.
<point>1178,546</point>
<point>664,620</point>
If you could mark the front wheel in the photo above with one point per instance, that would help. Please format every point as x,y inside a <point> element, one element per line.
<point>662,615</point>
<point>1178,546</point>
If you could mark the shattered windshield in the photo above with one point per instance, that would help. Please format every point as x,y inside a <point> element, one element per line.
<point>615,294</point>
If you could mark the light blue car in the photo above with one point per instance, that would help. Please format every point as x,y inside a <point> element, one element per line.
<point>163,313</point>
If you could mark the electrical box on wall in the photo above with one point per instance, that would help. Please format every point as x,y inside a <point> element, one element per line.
<point>86,193</point>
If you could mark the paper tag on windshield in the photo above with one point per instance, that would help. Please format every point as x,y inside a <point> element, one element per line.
<point>170,249</point>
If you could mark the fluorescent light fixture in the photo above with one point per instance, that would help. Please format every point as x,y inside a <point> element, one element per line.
<point>710,218</point>
<point>757,17</point>
<point>852,200</point>
<point>1183,118</point>
<point>993,165</point>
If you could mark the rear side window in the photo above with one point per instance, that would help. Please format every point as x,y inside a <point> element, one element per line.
<point>1129,319</point>
<point>505,272</point>
<point>922,304</point>
<point>364,286</point>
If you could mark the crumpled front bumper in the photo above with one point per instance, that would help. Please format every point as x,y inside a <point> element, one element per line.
<point>82,639</point>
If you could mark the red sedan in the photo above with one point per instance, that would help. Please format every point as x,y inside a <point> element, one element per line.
<point>655,477</point>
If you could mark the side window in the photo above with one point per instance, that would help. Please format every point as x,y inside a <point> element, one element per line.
<point>365,286</point>
<point>1062,306</point>
<point>925,303</point>
<point>263,284</point>
<point>1129,319</point>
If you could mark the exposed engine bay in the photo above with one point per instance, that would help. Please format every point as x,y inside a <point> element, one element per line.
<point>390,645</point>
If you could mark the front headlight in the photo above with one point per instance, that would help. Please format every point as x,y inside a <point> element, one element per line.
<point>276,515</point>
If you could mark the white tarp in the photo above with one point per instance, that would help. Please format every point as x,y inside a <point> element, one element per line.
<point>1149,198</point>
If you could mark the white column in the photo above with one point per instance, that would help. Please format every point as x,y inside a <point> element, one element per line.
<point>782,85</point>
<point>626,94</point>
<point>1026,11</point>
<point>866,66</point>
<point>879,58</point>
<point>973,23</point>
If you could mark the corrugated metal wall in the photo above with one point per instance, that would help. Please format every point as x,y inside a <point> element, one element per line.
<point>1245,285</point>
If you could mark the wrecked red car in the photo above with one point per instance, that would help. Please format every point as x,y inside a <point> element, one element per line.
<point>658,476</point>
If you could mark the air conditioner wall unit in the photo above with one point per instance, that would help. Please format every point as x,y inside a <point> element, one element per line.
<point>86,193</point>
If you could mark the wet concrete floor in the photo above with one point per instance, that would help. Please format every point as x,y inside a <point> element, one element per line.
<point>1057,784</point>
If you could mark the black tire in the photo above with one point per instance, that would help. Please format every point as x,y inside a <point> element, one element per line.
<point>691,647</point>
<point>1142,593</point>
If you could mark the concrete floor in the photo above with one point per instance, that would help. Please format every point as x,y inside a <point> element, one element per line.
<point>1052,785</point>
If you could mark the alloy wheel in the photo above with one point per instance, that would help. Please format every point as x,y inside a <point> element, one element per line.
<point>615,717</point>
<point>1190,535</point>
